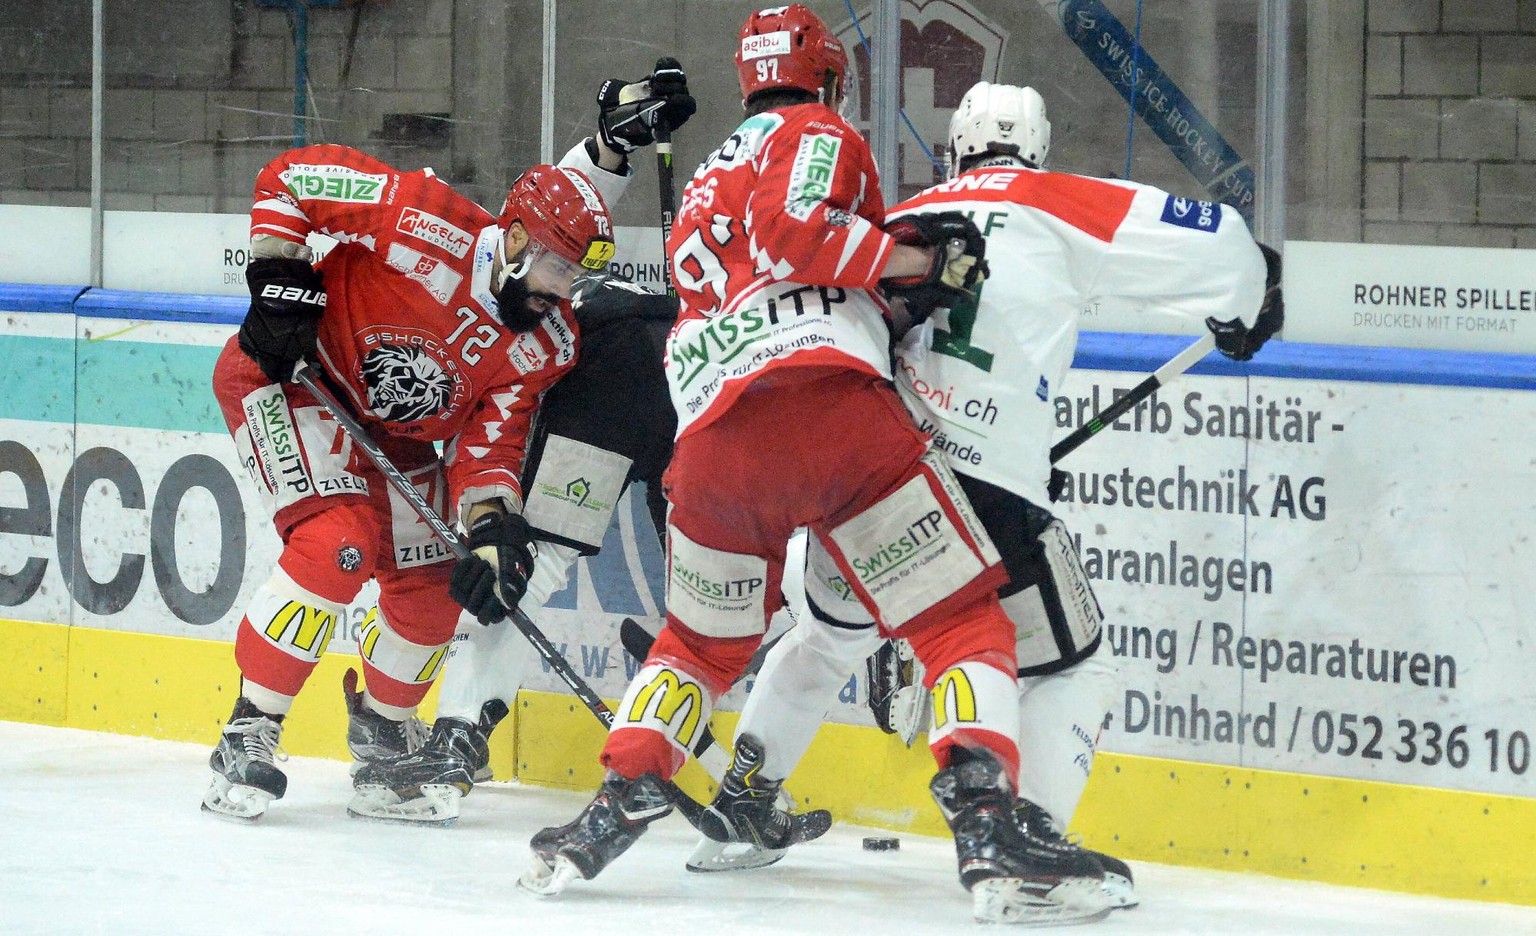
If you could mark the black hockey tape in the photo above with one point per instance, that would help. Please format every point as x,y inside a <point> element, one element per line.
<point>882,843</point>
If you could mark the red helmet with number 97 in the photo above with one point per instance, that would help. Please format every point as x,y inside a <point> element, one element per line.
<point>788,47</point>
<point>561,209</point>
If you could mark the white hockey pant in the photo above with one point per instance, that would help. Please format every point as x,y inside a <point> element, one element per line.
<point>798,684</point>
<point>487,663</point>
<point>1060,716</point>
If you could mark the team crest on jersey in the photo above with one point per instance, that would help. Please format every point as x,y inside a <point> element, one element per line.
<point>837,217</point>
<point>409,375</point>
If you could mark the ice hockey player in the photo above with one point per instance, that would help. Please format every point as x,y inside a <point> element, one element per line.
<point>606,424</point>
<point>1056,242</point>
<point>779,369</point>
<point>437,322</point>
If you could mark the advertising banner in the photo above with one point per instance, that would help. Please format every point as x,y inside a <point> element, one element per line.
<point>1453,298</point>
<point>1299,575</point>
<point>206,254</point>
<point>1314,577</point>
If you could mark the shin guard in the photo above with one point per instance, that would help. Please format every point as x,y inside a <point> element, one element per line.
<point>971,675</point>
<point>658,721</point>
<point>397,671</point>
<point>283,635</point>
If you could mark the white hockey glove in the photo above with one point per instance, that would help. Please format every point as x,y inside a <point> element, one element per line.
<point>628,111</point>
<point>897,698</point>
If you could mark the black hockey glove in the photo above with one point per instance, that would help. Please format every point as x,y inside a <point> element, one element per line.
<point>959,261</point>
<point>281,329</point>
<point>1240,342</point>
<point>629,110</point>
<point>491,582</point>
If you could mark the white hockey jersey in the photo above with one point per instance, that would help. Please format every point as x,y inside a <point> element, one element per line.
<point>981,378</point>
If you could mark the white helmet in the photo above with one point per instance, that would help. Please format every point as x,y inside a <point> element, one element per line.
<point>1003,119</point>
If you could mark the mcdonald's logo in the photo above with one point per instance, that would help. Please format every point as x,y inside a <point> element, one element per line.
<point>671,693</point>
<point>953,694</point>
<point>311,626</point>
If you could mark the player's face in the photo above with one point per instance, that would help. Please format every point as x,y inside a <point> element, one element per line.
<point>532,280</point>
<point>549,273</point>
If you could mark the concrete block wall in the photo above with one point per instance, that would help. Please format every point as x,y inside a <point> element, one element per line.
<point>1432,141</point>
<point>196,104</point>
<point>1449,142</point>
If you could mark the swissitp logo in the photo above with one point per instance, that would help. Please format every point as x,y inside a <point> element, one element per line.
<point>426,226</point>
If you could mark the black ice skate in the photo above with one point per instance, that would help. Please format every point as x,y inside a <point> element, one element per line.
<point>245,775</point>
<point>746,826</point>
<point>424,786</point>
<point>372,737</point>
<point>589,843</point>
<point>1119,884</point>
<point>1017,868</point>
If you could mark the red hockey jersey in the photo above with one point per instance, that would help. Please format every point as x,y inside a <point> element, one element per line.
<point>410,329</point>
<point>775,249</point>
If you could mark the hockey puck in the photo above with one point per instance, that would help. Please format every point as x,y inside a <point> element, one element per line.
<point>882,843</point>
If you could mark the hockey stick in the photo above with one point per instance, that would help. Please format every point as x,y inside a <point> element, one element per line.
<point>666,188</point>
<point>687,805</point>
<point>1182,362</point>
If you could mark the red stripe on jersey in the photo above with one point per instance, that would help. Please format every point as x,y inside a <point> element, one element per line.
<point>1092,206</point>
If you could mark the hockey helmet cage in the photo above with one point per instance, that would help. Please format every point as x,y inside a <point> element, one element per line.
<point>561,209</point>
<point>1001,119</point>
<point>788,47</point>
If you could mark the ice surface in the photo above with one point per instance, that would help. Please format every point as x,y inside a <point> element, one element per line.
<point>102,834</point>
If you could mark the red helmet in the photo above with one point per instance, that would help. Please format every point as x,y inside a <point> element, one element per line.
<point>561,209</point>
<point>787,47</point>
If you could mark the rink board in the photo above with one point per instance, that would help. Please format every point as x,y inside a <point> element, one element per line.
<point>1356,832</point>
<point>1353,565</point>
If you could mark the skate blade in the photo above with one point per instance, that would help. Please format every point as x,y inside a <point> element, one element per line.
<point>235,801</point>
<point>1120,891</point>
<point>438,805</point>
<point>548,880</point>
<point>1021,903</point>
<point>710,855</point>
